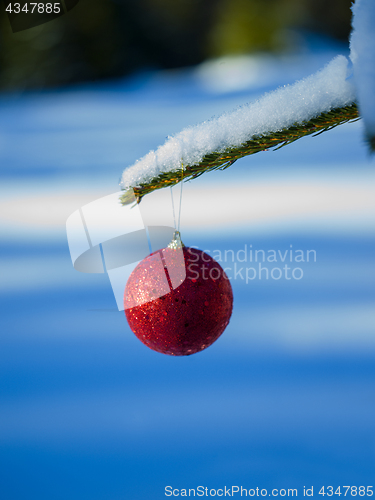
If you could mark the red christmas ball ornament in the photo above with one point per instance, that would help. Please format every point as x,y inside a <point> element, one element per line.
<point>173,315</point>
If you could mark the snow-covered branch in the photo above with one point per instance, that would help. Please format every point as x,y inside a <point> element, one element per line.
<point>289,105</point>
<point>284,109</point>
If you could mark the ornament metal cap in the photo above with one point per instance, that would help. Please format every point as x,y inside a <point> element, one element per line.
<point>176,241</point>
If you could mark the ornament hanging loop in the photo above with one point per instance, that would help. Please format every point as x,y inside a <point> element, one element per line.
<point>176,241</point>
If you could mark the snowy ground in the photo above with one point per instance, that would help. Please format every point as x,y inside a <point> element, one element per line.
<point>284,399</point>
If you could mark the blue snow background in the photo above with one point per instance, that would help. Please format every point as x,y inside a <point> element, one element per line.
<point>284,399</point>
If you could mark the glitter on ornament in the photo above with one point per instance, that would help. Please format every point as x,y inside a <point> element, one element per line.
<point>178,320</point>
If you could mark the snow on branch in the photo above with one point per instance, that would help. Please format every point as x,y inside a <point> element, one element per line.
<point>281,109</point>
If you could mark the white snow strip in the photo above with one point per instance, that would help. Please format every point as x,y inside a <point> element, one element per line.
<point>305,99</point>
<point>362,54</point>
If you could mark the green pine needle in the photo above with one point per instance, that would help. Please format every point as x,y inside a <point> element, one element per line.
<point>224,159</point>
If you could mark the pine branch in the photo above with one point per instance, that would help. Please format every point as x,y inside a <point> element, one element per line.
<point>220,160</point>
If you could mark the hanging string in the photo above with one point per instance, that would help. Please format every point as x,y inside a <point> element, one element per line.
<point>176,240</point>
<point>182,183</point>
<point>174,216</point>
<point>179,209</point>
